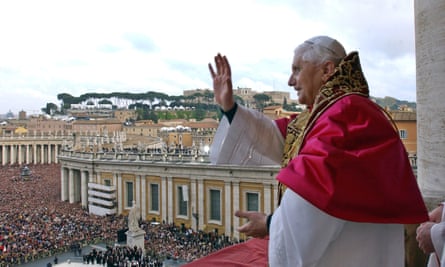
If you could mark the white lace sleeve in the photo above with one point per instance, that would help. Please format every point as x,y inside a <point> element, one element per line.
<point>251,139</point>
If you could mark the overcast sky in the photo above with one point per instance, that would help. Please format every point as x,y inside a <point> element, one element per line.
<point>77,47</point>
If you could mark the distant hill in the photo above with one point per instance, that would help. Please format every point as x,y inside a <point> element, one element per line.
<point>393,103</point>
<point>198,100</point>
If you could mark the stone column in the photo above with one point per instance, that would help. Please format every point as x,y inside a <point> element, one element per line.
<point>42,154</point>
<point>84,188</point>
<point>27,153</point>
<point>49,154</point>
<point>236,196</point>
<point>56,153</point>
<point>116,200</point>
<point>201,203</point>
<point>137,188</point>
<point>12,155</point>
<point>64,184</point>
<point>71,185</point>
<point>193,202</point>
<point>267,199</point>
<point>430,69</point>
<point>164,198</point>
<point>143,203</point>
<point>430,80</point>
<point>4,155</point>
<point>119,193</point>
<point>20,156</point>
<point>227,203</point>
<point>170,202</point>
<point>34,152</point>
<point>275,196</point>
<point>96,178</point>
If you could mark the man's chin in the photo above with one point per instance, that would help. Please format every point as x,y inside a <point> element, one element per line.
<point>301,101</point>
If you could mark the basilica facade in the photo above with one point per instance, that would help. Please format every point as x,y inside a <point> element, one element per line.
<point>183,190</point>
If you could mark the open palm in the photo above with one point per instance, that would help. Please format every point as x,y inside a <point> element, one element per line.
<point>222,82</point>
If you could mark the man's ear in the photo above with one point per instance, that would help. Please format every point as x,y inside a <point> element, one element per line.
<point>328,68</point>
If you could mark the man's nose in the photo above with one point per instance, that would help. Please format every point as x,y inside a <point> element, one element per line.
<point>292,81</point>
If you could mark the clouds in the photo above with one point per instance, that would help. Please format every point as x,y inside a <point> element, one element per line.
<point>51,47</point>
<point>140,42</point>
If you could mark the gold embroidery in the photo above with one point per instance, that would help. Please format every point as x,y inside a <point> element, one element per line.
<point>293,136</point>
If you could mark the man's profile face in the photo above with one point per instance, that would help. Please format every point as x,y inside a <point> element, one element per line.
<point>306,78</point>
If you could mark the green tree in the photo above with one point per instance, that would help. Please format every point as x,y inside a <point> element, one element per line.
<point>152,116</point>
<point>199,114</point>
<point>66,100</point>
<point>50,108</point>
<point>260,100</point>
<point>105,101</point>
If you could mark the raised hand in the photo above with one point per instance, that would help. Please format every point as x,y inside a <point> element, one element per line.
<point>222,82</point>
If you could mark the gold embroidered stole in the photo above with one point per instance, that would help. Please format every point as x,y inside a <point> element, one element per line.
<point>292,143</point>
<point>294,136</point>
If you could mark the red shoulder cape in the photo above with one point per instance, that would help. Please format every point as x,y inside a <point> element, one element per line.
<point>353,165</point>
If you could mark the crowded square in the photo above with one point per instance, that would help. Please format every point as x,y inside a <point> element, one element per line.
<point>36,224</point>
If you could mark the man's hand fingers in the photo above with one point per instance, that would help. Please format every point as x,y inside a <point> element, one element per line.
<point>241,214</point>
<point>227,68</point>
<point>212,72</point>
<point>218,63</point>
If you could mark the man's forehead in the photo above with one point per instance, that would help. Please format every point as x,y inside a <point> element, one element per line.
<point>298,58</point>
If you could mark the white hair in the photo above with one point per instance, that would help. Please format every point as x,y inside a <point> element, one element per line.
<point>320,49</point>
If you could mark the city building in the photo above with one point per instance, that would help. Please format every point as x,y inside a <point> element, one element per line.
<point>276,112</point>
<point>407,126</point>
<point>175,133</point>
<point>44,125</point>
<point>97,126</point>
<point>143,128</point>
<point>124,115</point>
<point>246,94</point>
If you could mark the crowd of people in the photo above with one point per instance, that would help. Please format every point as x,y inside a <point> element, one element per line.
<point>172,241</point>
<point>120,256</point>
<point>35,223</point>
<point>162,242</point>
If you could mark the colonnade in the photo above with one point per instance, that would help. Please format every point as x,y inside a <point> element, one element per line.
<point>74,186</point>
<point>29,151</point>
